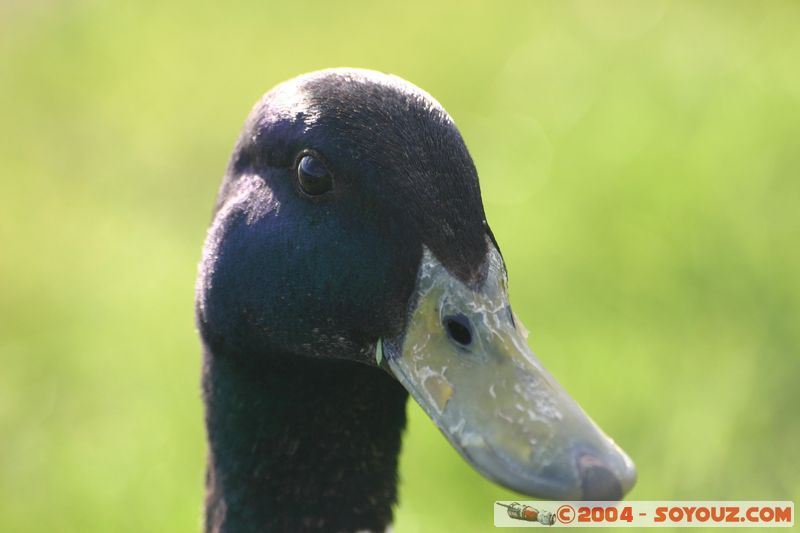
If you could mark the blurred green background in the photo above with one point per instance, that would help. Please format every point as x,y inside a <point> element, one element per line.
<point>639,164</point>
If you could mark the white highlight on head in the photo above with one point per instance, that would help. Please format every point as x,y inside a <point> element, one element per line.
<point>291,100</point>
<point>373,77</point>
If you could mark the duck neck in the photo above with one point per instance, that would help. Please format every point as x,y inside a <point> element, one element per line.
<point>300,444</point>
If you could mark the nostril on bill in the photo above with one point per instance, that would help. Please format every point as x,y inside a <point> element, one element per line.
<point>458,329</point>
<point>598,482</point>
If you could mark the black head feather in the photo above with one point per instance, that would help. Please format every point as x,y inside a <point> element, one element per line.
<point>328,275</point>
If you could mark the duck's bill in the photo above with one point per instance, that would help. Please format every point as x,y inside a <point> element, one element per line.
<point>465,359</point>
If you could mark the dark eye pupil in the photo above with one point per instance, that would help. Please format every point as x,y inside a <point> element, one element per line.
<point>313,176</point>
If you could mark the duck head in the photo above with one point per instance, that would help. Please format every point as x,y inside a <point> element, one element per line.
<point>350,225</point>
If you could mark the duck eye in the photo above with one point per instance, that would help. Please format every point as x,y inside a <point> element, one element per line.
<point>313,176</point>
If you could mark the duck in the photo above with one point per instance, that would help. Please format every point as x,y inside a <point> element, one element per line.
<point>348,266</point>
